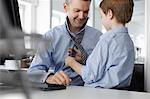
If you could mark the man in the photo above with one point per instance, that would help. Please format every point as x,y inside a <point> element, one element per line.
<point>111,63</point>
<point>73,34</point>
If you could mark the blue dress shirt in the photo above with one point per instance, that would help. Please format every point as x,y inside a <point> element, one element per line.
<point>111,62</point>
<point>54,57</point>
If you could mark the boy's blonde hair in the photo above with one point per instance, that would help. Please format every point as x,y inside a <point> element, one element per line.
<point>122,9</point>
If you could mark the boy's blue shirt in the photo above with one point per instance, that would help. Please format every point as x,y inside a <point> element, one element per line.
<point>111,62</point>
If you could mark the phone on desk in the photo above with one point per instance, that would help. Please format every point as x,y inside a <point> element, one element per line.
<point>49,87</point>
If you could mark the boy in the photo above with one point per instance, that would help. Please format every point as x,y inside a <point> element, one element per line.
<point>111,63</point>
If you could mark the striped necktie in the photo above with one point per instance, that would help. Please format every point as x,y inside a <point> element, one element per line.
<point>77,40</point>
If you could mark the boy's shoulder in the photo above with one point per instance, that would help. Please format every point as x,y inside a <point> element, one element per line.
<point>107,37</point>
<point>115,33</point>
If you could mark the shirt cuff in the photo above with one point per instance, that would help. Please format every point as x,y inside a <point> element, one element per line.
<point>86,74</point>
<point>38,76</point>
<point>83,72</point>
<point>46,76</point>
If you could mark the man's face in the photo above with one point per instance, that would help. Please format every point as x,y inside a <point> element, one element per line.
<point>77,12</point>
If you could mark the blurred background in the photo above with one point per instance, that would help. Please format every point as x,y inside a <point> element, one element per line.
<point>38,16</point>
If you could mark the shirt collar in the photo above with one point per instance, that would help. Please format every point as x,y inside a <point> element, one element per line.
<point>67,27</point>
<point>113,32</point>
<point>120,29</point>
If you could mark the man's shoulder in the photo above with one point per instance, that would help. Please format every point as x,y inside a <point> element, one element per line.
<point>93,30</point>
<point>56,30</point>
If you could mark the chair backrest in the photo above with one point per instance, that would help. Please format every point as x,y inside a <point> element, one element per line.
<point>137,82</point>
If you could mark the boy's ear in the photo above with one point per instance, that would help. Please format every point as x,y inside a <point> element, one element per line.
<point>110,14</point>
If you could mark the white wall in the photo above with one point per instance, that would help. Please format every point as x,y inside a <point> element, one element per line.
<point>147,61</point>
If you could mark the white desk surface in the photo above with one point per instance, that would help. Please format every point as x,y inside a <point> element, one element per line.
<point>74,92</point>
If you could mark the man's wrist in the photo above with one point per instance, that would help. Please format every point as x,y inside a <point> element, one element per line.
<point>48,75</point>
<point>48,80</point>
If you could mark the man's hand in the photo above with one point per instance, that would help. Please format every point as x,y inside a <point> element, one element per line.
<point>78,55</point>
<point>59,78</point>
<point>73,52</point>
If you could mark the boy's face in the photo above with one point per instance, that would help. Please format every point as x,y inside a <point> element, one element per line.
<point>105,20</point>
<point>77,11</point>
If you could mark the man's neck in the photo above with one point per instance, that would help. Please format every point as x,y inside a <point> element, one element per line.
<point>74,29</point>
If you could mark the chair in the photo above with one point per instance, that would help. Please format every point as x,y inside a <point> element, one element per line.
<point>137,82</point>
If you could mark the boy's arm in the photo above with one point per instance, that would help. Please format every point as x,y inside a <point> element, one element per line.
<point>71,62</point>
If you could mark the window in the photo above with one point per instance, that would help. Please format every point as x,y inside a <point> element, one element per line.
<point>35,15</point>
<point>25,14</point>
<point>39,16</point>
<point>136,27</point>
<point>137,30</point>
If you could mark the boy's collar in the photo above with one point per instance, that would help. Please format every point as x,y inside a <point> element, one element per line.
<point>121,29</point>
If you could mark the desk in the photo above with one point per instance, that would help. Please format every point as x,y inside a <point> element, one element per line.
<point>74,92</point>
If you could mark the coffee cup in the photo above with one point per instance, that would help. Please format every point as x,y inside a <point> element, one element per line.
<point>12,64</point>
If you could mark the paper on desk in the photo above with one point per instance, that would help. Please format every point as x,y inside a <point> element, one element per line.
<point>13,96</point>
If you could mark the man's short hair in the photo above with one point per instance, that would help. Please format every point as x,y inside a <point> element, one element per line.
<point>122,9</point>
<point>68,1</point>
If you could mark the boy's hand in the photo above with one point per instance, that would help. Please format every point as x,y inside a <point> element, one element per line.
<point>69,61</point>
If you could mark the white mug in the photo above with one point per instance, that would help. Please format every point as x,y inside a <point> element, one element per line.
<point>12,64</point>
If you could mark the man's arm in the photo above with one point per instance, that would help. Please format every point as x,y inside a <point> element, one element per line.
<point>41,68</point>
<point>41,63</point>
<point>59,78</point>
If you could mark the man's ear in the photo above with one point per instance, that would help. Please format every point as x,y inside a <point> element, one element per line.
<point>65,7</point>
<point>110,14</point>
